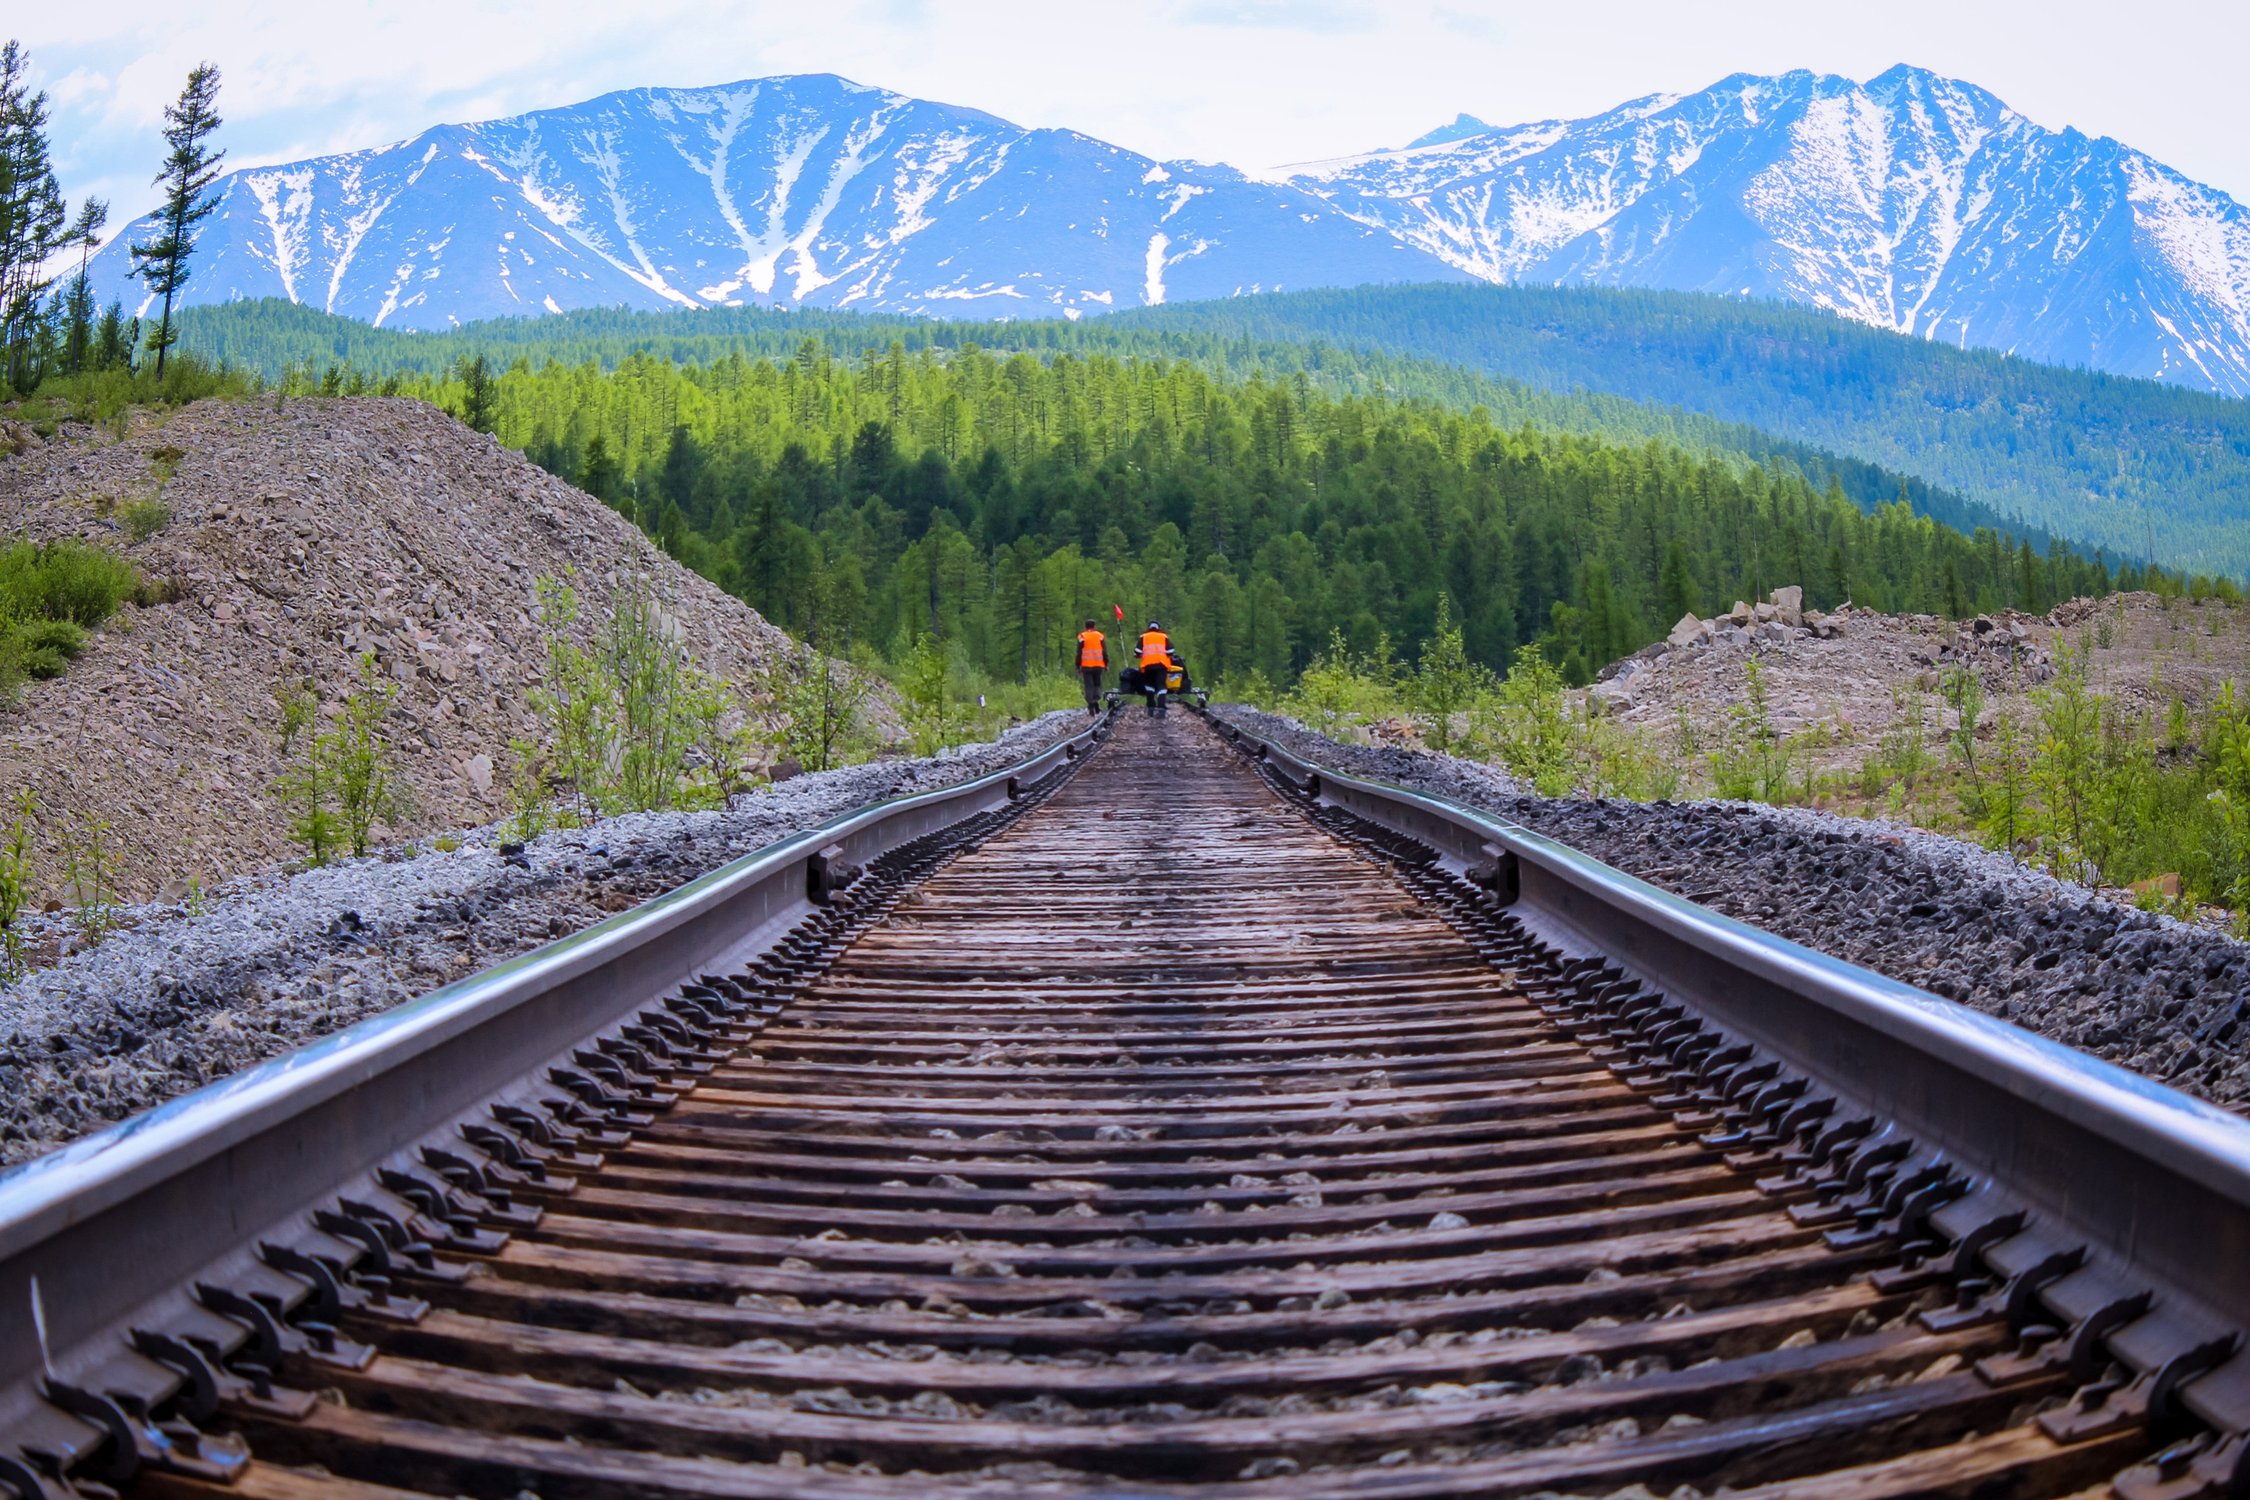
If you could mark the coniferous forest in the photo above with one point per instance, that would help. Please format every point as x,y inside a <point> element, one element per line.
<point>991,503</point>
<point>2132,467</point>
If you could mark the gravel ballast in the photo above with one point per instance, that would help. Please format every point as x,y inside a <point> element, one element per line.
<point>2148,993</point>
<point>174,1001</point>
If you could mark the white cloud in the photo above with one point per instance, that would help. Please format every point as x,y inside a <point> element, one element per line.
<point>1254,82</point>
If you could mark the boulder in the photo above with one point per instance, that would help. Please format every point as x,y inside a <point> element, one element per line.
<point>1689,631</point>
<point>1775,631</point>
<point>1790,600</point>
<point>1614,696</point>
<point>1740,614</point>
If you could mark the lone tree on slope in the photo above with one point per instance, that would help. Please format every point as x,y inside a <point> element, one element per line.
<point>188,173</point>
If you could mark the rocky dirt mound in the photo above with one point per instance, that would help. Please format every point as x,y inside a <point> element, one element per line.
<point>1852,673</point>
<point>300,535</point>
<point>2143,991</point>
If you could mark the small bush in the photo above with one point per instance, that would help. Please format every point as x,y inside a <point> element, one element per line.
<point>15,883</point>
<point>631,725</point>
<point>821,711</point>
<point>106,396</point>
<point>92,869</point>
<point>42,648</point>
<point>346,782</point>
<point>63,581</point>
<point>145,518</point>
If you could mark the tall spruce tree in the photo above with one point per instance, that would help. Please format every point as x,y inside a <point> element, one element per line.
<point>189,170</point>
<point>31,215</point>
<point>78,302</point>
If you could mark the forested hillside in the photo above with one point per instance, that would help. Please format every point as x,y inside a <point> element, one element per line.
<point>284,341</point>
<point>2135,467</point>
<point>991,502</point>
<point>2132,468</point>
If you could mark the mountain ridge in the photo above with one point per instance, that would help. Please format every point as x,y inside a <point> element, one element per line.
<point>1909,201</point>
<point>1914,202</point>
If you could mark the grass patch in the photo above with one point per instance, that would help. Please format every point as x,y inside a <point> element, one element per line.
<point>145,518</point>
<point>104,396</point>
<point>52,596</point>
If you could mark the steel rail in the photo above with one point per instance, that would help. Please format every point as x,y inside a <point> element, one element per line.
<point>102,1236</point>
<point>2152,1185</point>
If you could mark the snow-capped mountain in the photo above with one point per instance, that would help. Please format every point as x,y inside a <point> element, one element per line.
<point>805,190</point>
<point>1911,201</point>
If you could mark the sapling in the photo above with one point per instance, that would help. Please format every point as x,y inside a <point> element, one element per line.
<point>367,789</point>
<point>91,871</point>
<point>15,883</point>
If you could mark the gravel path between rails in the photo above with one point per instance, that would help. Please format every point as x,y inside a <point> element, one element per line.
<point>280,959</point>
<point>2164,999</point>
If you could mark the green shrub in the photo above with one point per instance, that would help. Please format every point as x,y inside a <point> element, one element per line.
<point>63,580</point>
<point>1530,725</point>
<point>145,518</point>
<point>1446,682</point>
<point>820,719</point>
<point>346,782</point>
<point>91,870</point>
<point>629,726</point>
<point>925,681</point>
<point>1753,760</point>
<point>15,883</point>
<point>42,648</point>
<point>105,396</point>
<point>1339,690</point>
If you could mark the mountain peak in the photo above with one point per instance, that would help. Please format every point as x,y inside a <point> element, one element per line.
<point>1462,128</point>
<point>1911,201</point>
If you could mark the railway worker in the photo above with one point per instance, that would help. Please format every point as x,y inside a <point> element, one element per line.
<point>1156,665</point>
<point>1093,661</point>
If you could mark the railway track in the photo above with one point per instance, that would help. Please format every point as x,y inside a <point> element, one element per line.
<point>1173,1128</point>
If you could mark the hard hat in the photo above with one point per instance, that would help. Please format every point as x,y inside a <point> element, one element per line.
<point>1154,626</point>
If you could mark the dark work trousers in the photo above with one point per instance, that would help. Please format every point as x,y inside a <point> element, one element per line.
<point>1090,678</point>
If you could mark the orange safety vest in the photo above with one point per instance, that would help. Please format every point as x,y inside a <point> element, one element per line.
<point>1093,649</point>
<point>1156,650</point>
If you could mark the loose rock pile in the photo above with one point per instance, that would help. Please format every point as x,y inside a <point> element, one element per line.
<point>1849,675</point>
<point>1772,623</point>
<point>2143,991</point>
<point>302,534</point>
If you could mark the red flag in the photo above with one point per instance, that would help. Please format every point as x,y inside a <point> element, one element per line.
<point>1120,612</point>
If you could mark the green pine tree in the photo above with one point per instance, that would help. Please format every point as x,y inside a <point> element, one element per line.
<point>190,168</point>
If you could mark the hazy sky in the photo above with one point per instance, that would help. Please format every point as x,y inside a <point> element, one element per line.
<point>1252,82</point>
